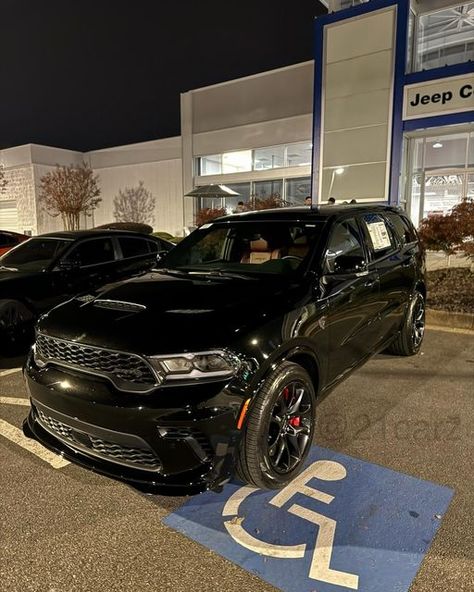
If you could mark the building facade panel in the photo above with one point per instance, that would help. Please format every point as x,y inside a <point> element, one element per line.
<point>274,95</point>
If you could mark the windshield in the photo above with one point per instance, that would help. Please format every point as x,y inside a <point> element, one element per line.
<point>251,247</point>
<point>35,254</point>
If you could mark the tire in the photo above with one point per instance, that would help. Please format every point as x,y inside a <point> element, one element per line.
<point>16,327</point>
<point>408,342</point>
<point>268,426</point>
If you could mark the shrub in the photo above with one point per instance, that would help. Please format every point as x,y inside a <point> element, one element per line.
<point>463,215</point>
<point>452,232</point>
<point>165,235</point>
<point>134,204</point>
<point>133,226</point>
<point>169,237</point>
<point>69,191</point>
<point>208,214</point>
<point>266,203</point>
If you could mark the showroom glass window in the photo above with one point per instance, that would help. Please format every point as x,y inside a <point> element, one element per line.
<point>443,37</point>
<point>258,159</point>
<point>440,173</point>
<point>268,189</point>
<point>269,158</point>
<point>296,190</point>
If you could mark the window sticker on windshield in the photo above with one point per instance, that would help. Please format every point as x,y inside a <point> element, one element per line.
<point>204,226</point>
<point>378,235</point>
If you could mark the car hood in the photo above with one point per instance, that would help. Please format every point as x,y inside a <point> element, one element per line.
<point>158,313</point>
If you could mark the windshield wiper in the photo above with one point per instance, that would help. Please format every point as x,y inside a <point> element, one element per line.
<point>167,271</point>
<point>225,274</point>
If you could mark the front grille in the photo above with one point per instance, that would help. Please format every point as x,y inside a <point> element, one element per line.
<point>142,458</point>
<point>126,371</point>
<point>56,426</point>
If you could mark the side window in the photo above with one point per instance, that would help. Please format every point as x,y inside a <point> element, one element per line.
<point>7,240</point>
<point>92,252</point>
<point>379,235</point>
<point>402,227</point>
<point>158,245</point>
<point>345,240</point>
<point>133,247</point>
<point>155,246</point>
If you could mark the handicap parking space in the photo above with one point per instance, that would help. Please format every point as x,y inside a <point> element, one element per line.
<point>342,524</point>
<point>386,502</point>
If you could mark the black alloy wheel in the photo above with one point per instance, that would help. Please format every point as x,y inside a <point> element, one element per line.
<point>418,322</point>
<point>290,427</point>
<point>278,429</point>
<point>410,338</point>
<point>15,326</point>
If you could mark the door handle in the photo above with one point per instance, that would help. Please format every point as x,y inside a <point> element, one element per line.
<point>370,283</point>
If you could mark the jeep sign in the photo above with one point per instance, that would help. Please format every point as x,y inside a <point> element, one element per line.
<point>439,97</point>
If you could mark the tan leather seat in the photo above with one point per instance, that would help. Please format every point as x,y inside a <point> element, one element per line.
<point>260,252</point>
<point>299,248</point>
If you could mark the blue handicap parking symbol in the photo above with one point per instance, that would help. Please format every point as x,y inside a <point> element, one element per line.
<point>343,524</point>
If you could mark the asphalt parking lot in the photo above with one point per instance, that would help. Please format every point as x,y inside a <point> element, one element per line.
<point>66,529</point>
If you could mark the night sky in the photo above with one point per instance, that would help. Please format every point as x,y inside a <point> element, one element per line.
<point>91,74</point>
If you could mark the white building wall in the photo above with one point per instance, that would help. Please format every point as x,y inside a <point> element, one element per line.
<point>162,179</point>
<point>20,192</point>
<point>157,164</point>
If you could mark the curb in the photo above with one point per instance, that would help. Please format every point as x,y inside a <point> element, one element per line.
<point>453,320</point>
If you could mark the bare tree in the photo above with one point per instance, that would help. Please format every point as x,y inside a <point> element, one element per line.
<point>70,191</point>
<point>3,181</point>
<point>135,204</point>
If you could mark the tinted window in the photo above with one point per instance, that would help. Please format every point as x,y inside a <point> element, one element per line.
<point>379,235</point>
<point>156,246</point>
<point>35,254</point>
<point>7,240</point>
<point>345,240</point>
<point>133,247</point>
<point>92,252</point>
<point>402,227</point>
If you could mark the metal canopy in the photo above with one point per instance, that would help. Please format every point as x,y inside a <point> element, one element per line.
<point>212,191</point>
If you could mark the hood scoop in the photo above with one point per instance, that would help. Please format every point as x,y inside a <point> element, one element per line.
<point>119,305</point>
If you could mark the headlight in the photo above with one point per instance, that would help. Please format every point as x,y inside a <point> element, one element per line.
<point>199,365</point>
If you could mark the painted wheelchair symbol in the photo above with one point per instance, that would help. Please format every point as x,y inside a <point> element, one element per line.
<point>320,569</point>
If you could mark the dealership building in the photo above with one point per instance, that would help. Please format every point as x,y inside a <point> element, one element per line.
<point>384,113</point>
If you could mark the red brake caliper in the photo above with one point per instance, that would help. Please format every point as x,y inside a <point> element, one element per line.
<point>294,421</point>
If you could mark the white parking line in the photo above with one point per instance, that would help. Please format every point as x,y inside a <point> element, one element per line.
<point>16,435</point>
<point>9,371</point>
<point>14,401</point>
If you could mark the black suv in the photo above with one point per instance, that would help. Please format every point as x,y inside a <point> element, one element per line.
<point>51,268</point>
<point>214,362</point>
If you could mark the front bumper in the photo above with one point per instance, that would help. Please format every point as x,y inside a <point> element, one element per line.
<point>177,440</point>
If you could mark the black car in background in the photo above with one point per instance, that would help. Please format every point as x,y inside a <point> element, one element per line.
<point>9,239</point>
<point>214,363</point>
<point>51,268</point>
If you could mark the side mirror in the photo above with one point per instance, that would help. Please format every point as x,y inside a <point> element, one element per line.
<point>349,264</point>
<point>160,256</point>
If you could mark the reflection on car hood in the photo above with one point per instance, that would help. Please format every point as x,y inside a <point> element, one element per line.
<point>160,313</point>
